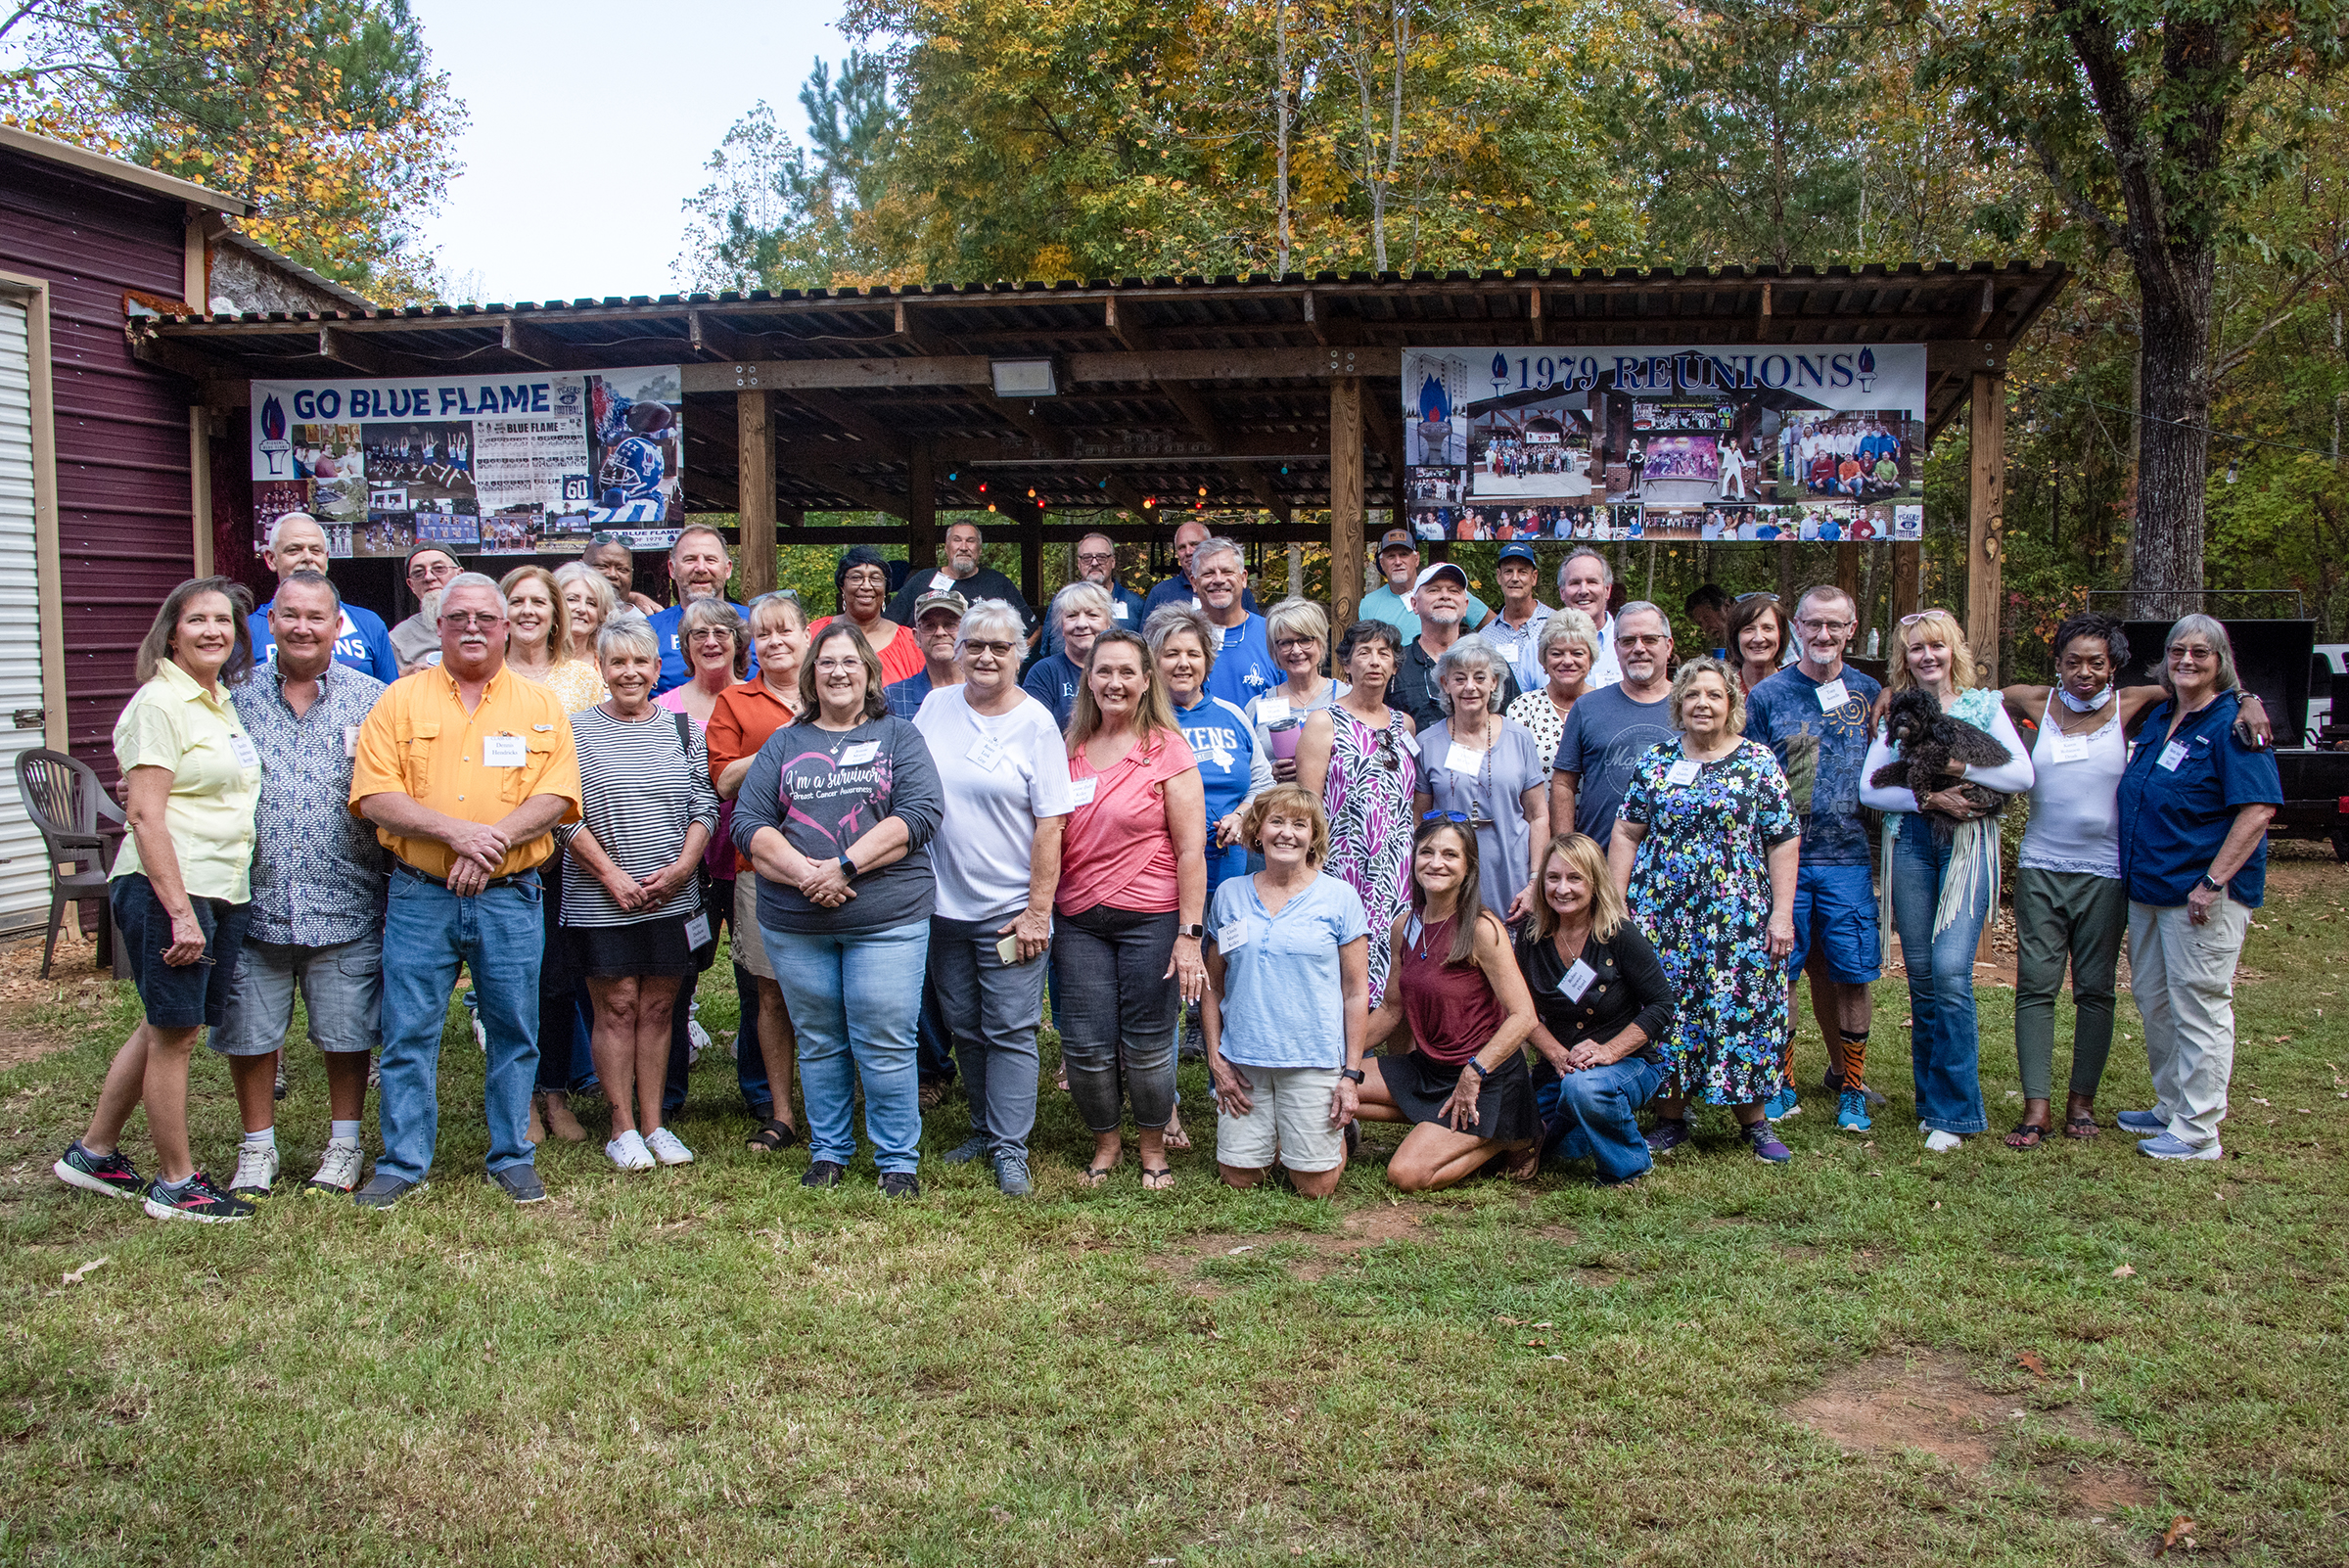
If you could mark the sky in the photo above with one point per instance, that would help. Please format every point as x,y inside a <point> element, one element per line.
<point>592,122</point>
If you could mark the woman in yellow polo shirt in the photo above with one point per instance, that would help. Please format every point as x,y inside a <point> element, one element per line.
<point>182,889</point>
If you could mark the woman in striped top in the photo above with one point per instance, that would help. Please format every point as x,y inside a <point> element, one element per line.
<point>632,898</point>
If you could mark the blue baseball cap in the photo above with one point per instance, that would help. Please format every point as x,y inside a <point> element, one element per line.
<point>1519,550</point>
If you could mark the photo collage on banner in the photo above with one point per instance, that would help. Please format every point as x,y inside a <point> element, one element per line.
<point>486,465</point>
<point>1755,441</point>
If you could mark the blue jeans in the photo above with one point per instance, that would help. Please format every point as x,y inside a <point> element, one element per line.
<point>993,1009</point>
<point>498,936</point>
<point>852,998</point>
<point>1945,1049</point>
<point>1597,1117</point>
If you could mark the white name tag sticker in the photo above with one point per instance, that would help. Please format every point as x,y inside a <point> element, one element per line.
<point>1576,981</point>
<point>1236,935</point>
<point>1271,709</point>
<point>2070,748</point>
<point>940,581</point>
<point>1410,743</point>
<point>1007,951</point>
<point>697,931</point>
<point>1080,791</point>
<point>1683,773</point>
<point>1834,695</point>
<point>504,751</point>
<point>859,755</point>
<point>1121,610</point>
<point>1461,759</point>
<point>351,740</point>
<point>988,753</point>
<point>2170,755</point>
<point>245,753</point>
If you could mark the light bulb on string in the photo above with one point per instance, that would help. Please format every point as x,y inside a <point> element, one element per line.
<point>2231,471</point>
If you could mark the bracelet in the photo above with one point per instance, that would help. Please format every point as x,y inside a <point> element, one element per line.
<point>1481,1070</point>
<point>2213,885</point>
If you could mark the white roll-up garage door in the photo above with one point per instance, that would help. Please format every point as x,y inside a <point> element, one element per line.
<point>23,869</point>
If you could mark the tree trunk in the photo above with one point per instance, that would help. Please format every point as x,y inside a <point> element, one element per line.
<point>2173,436</point>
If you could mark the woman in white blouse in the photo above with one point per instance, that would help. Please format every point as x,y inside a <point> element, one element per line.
<point>1298,631</point>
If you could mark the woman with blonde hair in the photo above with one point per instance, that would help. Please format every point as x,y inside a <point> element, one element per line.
<point>590,602</point>
<point>539,635</point>
<point>1298,631</point>
<point>1567,647</point>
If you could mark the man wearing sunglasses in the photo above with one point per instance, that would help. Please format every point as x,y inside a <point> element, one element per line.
<point>1098,563</point>
<point>608,556</point>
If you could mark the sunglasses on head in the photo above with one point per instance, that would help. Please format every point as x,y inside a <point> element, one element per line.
<point>1386,757</point>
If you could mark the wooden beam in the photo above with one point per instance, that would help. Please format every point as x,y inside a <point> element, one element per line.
<point>347,348</point>
<point>1985,309</point>
<point>1907,572</point>
<point>755,489</point>
<point>1986,522</point>
<point>848,417</point>
<point>526,340</point>
<point>1534,324</point>
<point>713,338</point>
<point>1847,569</point>
<point>1083,369</point>
<point>1345,503</point>
<point>922,341</point>
<point>1032,558</point>
<point>180,357</point>
<point>921,496</point>
<point>865,494</point>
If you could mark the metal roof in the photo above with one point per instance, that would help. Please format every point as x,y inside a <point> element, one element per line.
<point>114,168</point>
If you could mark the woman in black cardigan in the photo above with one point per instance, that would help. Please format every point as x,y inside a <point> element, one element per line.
<point>1603,1005</point>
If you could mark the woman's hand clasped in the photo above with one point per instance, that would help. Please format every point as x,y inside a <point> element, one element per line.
<point>825,885</point>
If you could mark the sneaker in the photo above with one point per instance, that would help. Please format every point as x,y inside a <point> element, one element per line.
<point>933,1091</point>
<point>198,1200</point>
<point>1666,1135</point>
<point>279,1093</point>
<point>520,1182</point>
<point>2168,1147</point>
<point>965,1152</point>
<point>668,1147</point>
<point>1851,1111</point>
<point>257,1166</point>
<point>383,1191</point>
<point>481,1034</point>
<point>697,1038</point>
<point>1766,1145</point>
<point>2148,1123</point>
<point>1940,1142</point>
<point>338,1168</point>
<point>111,1174</point>
<point>1191,1043</point>
<point>1875,1099</point>
<point>629,1152</point>
<point>1781,1105</point>
<point>1011,1175</point>
<point>900,1184</point>
<point>825,1174</point>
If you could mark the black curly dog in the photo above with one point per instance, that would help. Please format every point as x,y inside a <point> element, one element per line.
<point>1934,750</point>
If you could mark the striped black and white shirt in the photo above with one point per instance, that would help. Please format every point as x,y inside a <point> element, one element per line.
<point>642,790</point>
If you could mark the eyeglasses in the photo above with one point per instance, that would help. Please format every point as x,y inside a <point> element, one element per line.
<point>425,571</point>
<point>999,650</point>
<point>604,536</point>
<point>713,633</point>
<point>1102,559</point>
<point>472,623</point>
<point>1295,644</point>
<point>2183,650</point>
<point>1826,625</point>
<point>1444,817</point>
<point>1641,639</point>
<point>1910,621</point>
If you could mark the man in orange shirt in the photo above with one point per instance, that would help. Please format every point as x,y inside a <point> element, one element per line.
<point>465,769</point>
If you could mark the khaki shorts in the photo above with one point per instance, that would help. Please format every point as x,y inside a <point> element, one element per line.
<point>750,951</point>
<point>1290,1120</point>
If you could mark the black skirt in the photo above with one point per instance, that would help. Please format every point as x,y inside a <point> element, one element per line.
<point>644,948</point>
<point>1420,1084</point>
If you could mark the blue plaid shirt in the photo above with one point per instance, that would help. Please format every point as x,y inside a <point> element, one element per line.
<point>317,869</point>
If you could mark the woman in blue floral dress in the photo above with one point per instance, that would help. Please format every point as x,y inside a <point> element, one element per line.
<point>1705,849</point>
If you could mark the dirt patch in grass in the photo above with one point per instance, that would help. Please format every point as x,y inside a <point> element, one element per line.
<point>75,986</point>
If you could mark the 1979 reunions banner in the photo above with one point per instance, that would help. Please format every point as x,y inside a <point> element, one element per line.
<point>492,465</point>
<point>1716,441</point>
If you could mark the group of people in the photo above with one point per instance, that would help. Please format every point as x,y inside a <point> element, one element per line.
<point>1517,889</point>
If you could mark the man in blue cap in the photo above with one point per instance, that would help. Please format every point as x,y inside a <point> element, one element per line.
<point>1517,630</point>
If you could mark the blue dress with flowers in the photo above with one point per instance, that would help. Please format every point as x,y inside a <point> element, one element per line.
<point>1700,891</point>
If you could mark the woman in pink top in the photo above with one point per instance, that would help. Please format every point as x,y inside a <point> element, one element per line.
<point>1133,889</point>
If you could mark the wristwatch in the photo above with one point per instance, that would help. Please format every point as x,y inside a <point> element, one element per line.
<point>2213,885</point>
<point>1354,1073</point>
<point>847,868</point>
<point>1197,932</point>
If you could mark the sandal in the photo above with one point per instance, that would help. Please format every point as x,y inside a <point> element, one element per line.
<point>2081,1127</point>
<point>1158,1179</point>
<point>2026,1136</point>
<point>1176,1137</point>
<point>774,1136</point>
<point>1095,1174</point>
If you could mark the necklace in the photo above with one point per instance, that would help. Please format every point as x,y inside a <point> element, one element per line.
<point>2092,705</point>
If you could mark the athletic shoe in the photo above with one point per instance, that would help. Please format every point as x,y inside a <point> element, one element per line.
<point>900,1184</point>
<point>257,1171</point>
<point>383,1191</point>
<point>965,1152</point>
<point>697,1038</point>
<point>1766,1145</point>
<point>825,1173</point>
<point>111,1174</point>
<point>1011,1175</point>
<point>481,1034</point>
<point>1940,1142</point>
<point>1851,1112</point>
<point>279,1093</point>
<point>2145,1122</point>
<point>1190,1041</point>
<point>668,1147</point>
<point>1667,1136</point>
<point>1832,1088</point>
<point>520,1182</point>
<point>629,1152</point>
<point>1781,1105</point>
<point>338,1168</point>
<point>198,1200</point>
<point>2168,1146</point>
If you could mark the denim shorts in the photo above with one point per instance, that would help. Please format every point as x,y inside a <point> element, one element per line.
<point>1835,910</point>
<point>190,995</point>
<point>342,988</point>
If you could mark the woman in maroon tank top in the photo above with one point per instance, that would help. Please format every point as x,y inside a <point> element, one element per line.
<point>1463,1085</point>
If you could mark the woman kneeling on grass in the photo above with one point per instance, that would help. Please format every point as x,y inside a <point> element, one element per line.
<point>1288,998</point>
<point>1463,1086</point>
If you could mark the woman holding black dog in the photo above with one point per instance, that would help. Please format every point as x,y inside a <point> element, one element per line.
<point>1941,872</point>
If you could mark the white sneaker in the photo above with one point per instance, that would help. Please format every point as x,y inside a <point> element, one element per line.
<point>667,1148</point>
<point>257,1171</point>
<point>338,1168</point>
<point>480,1035</point>
<point>697,1038</point>
<point>1942,1142</point>
<point>629,1152</point>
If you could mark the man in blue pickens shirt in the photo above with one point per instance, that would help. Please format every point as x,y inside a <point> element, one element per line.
<point>1243,666</point>
<point>699,565</point>
<point>361,641</point>
<point>317,890</point>
<point>1820,708</point>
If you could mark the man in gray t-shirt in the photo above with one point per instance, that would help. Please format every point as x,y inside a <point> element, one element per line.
<point>1611,728</point>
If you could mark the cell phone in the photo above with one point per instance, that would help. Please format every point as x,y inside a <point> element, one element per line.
<point>1008,950</point>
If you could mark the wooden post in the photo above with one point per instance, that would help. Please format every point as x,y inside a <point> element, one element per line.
<point>1847,569</point>
<point>1985,523</point>
<point>1032,557</point>
<point>200,487</point>
<point>755,489</point>
<point>1787,583</point>
<point>1345,503</point>
<point>921,506</point>
<point>1908,568</point>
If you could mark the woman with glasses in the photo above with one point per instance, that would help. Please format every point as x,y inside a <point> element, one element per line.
<point>588,602</point>
<point>1567,647</point>
<point>1757,638</point>
<point>1362,758</point>
<point>2194,808</point>
<point>1705,853</point>
<point>717,650</point>
<point>739,722</point>
<point>860,583</point>
<point>1483,770</point>
<point>1299,633</point>
<point>537,631</point>
<point>1943,883</point>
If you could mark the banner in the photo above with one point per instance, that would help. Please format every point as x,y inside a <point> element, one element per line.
<point>524,464</point>
<point>1748,442</point>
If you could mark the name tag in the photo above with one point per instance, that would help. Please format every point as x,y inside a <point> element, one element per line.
<point>1410,743</point>
<point>859,755</point>
<point>1080,791</point>
<point>1683,773</point>
<point>1121,610</point>
<point>504,751</point>
<point>351,740</point>
<point>2070,748</point>
<point>2170,755</point>
<point>1577,980</point>
<point>940,581</point>
<point>988,753</point>
<point>242,749</point>
<point>697,931</point>
<point>1236,935</point>
<point>1461,759</point>
<point>1271,709</point>
<point>1834,695</point>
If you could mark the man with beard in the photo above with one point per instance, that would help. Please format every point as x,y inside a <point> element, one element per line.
<point>1391,601</point>
<point>698,567</point>
<point>1098,563</point>
<point>297,543</point>
<point>1610,729</point>
<point>416,641</point>
<point>961,572</point>
<point>1441,595</point>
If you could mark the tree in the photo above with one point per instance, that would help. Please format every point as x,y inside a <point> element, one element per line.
<point>327,115</point>
<point>2138,115</point>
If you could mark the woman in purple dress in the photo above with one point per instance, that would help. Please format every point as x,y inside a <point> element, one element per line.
<point>1362,758</point>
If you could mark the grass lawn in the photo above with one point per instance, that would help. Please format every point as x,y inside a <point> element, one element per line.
<point>1869,1355</point>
